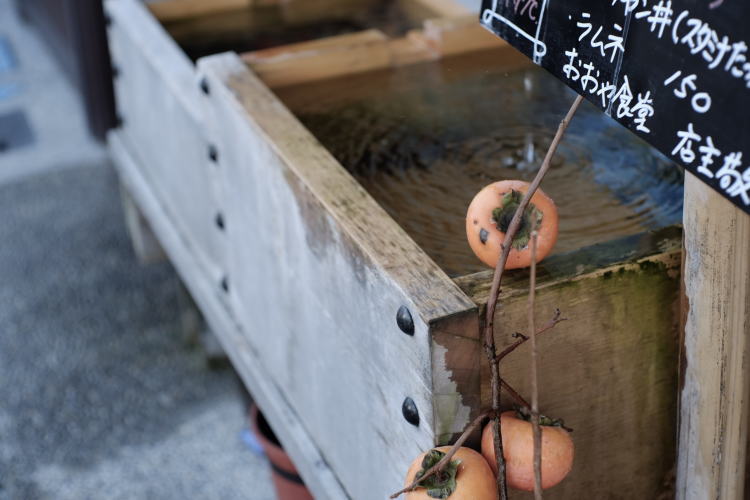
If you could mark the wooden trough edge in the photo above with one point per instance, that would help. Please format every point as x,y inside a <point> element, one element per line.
<point>177,10</point>
<point>663,244</point>
<point>368,51</point>
<point>434,294</point>
<point>286,424</point>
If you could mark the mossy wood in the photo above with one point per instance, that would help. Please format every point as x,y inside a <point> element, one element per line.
<point>303,280</point>
<point>609,371</point>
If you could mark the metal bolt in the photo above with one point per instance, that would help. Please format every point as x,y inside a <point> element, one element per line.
<point>220,221</point>
<point>213,153</point>
<point>204,86</point>
<point>409,409</point>
<point>225,284</point>
<point>405,321</point>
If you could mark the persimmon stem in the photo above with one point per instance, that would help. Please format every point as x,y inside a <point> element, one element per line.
<point>448,456</point>
<point>514,394</point>
<point>489,324</point>
<point>537,432</point>
<point>522,339</point>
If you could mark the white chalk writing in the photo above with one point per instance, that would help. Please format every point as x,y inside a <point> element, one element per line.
<point>732,178</point>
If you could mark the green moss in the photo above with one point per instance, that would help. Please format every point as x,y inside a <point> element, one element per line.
<point>651,266</point>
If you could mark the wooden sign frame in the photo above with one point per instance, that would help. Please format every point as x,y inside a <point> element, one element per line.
<point>674,72</point>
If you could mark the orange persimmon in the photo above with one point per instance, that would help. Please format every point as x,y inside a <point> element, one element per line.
<point>468,477</point>
<point>518,449</point>
<point>489,216</point>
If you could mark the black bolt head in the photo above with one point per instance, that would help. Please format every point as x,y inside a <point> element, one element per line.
<point>405,321</point>
<point>220,221</point>
<point>204,86</point>
<point>213,153</point>
<point>409,409</point>
<point>225,284</point>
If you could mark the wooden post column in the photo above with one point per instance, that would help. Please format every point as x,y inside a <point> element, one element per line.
<point>715,394</point>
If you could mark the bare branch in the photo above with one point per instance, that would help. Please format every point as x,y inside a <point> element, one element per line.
<point>534,377</point>
<point>514,394</point>
<point>448,456</point>
<point>522,339</point>
<point>489,330</point>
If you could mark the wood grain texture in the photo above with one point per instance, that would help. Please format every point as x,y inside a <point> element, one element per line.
<point>286,423</point>
<point>311,11</point>
<point>317,272</point>
<point>716,377</point>
<point>146,245</point>
<point>159,99</point>
<point>321,59</point>
<point>458,35</point>
<point>427,9</point>
<point>173,10</point>
<point>610,371</point>
<point>456,356</point>
<point>368,51</point>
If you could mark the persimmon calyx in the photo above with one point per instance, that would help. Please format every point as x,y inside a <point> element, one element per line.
<point>443,483</point>
<point>544,421</point>
<point>503,215</point>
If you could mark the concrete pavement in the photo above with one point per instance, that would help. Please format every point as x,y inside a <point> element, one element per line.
<point>100,395</point>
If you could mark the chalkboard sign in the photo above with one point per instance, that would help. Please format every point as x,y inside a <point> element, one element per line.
<point>677,73</point>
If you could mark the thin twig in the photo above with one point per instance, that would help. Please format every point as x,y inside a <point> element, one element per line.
<point>448,456</point>
<point>489,324</point>
<point>514,394</point>
<point>534,377</point>
<point>522,339</point>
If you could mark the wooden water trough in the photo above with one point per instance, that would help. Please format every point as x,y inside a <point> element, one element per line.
<point>358,346</point>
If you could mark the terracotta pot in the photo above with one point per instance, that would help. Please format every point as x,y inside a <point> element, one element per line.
<point>286,480</point>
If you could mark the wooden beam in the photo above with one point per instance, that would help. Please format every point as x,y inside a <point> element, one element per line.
<point>320,59</point>
<point>145,243</point>
<point>716,377</point>
<point>427,9</point>
<point>173,10</point>
<point>368,50</point>
<point>288,426</point>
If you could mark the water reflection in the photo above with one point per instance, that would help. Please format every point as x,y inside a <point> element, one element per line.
<point>424,139</point>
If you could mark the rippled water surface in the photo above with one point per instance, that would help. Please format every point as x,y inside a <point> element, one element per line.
<point>424,139</point>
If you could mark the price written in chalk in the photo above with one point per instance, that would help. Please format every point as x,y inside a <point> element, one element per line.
<point>677,73</point>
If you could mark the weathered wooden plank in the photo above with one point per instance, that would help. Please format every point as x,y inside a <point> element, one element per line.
<point>456,356</point>
<point>458,35</point>
<point>368,51</point>
<point>427,9</point>
<point>173,10</point>
<point>321,59</point>
<point>317,274</point>
<point>145,243</point>
<point>714,408</point>
<point>158,97</point>
<point>610,371</point>
<point>310,11</point>
<point>208,294</point>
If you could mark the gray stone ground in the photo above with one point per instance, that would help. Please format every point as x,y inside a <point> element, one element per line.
<point>100,395</point>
